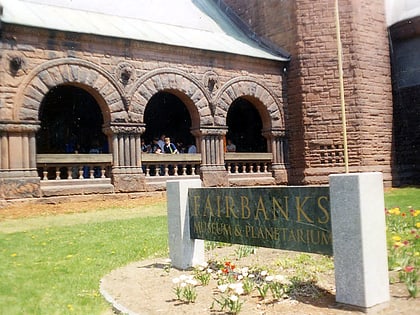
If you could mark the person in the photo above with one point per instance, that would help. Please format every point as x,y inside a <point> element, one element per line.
<point>155,148</point>
<point>145,147</point>
<point>169,147</point>
<point>230,147</point>
<point>161,142</point>
<point>192,148</point>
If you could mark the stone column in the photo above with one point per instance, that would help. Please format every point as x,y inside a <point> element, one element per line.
<point>127,173</point>
<point>213,171</point>
<point>277,144</point>
<point>18,173</point>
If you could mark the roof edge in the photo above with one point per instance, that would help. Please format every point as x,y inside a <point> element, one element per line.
<point>263,42</point>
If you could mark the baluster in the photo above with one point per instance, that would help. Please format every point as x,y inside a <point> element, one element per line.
<point>45,173</point>
<point>91,172</point>
<point>176,170</point>
<point>258,167</point>
<point>192,169</point>
<point>57,173</point>
<point>69,173</point>
<point>236,167</point>
<point>147,170</point>
<point>229,167</point>
<point>103,172</point>
<point>265,167</point>
<point>81,172</point>
<point>166,170</point>
<point>184,170</point>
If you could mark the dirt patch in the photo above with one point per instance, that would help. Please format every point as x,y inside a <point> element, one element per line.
<point>146,287</point>
<point>77,204</point>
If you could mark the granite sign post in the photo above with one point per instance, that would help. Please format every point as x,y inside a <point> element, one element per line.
<point>346,220</point>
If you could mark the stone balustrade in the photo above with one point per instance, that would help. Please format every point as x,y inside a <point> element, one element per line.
<point>170,164</point>
<point>71,166</point>
<point>245,163</point>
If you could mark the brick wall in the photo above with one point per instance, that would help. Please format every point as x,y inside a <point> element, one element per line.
<point>307,30</point>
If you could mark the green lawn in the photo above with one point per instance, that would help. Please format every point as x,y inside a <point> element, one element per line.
<point>56,269</point>
<point>53,265</point>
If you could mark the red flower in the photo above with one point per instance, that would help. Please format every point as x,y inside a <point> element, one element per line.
<point>409,269</point>
<point>225,270</point>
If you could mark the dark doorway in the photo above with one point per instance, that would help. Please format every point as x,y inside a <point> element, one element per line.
<point>166,114</point>
<point>71,121</point>
<point>245,125</point>
<point>407,136</point>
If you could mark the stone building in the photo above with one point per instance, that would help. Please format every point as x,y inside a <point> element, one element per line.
<point>78,75</point>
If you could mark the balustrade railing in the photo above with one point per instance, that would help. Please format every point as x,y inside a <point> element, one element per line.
<point>73,166</point>
<point>171,164</point>
<point>246,163</point>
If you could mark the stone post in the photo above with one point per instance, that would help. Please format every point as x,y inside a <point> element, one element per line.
<point>213,171</point>
<point>277,145</point>
<point>18,173</point>
<point>127,173</point>
<point>359,239</point>
<point>184,252</point>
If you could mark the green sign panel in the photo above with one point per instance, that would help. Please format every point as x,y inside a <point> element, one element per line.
<point>293,218</point>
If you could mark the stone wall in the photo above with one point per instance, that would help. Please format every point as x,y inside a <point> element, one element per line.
<point>307,30</point>
<point>122,75</point>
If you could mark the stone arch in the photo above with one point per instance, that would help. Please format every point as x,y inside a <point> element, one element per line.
<point>271,111</point>
<point>87,75</point>
<point>188,89</point>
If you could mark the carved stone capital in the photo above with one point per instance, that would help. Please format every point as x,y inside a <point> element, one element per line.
<point>210,131</point>
<point>124,128</point>
<point>19,126</point>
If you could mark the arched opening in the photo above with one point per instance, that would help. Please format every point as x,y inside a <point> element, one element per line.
<point>71,122</point>
<point>166,114</point>
<point>244,127</point>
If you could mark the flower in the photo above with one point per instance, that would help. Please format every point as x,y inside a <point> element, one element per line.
<point>233,298</point>
<point>409,269</point>
<point>176,280</point>
<point>222,288</point>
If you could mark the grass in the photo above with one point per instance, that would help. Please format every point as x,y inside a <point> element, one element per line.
<point>53,264</point>
<point>402,197</point>
<point>56,269</point>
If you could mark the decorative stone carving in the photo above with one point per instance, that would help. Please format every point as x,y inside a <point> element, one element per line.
<point>125,73</point>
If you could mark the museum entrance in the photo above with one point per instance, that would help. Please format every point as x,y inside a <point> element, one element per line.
<point>71,122</point>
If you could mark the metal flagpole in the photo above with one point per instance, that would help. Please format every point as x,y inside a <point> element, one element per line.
<point>340,74</point>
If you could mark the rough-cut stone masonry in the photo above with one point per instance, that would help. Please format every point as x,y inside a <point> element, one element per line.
<point>306,29</point>
<point>122,75</point>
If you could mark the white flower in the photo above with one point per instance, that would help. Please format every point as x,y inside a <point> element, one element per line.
<point>240,277</point>
<point>269,278</point>
<point>251,275</point>
<point>222,287</point>
<point>233,298</point>
<point>209,270</point>
<point>280,278</point>
<point>264,273</point>
<point>239,290</point>
<point>183,285</point>
<point>232,286</point>
<point>175,280</point>
<point>183,277</point>
<point>192,282</point>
